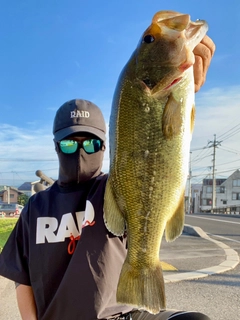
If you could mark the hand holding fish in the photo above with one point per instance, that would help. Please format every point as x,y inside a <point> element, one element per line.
<point>203,52</point>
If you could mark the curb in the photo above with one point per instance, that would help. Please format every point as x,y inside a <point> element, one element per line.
<point>232,259</point>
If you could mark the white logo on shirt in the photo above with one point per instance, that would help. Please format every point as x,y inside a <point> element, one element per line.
<point>48,229</point>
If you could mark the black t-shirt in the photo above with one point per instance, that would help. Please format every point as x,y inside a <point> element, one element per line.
<point>61,247</point>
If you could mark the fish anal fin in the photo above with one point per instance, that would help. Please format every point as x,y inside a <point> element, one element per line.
<point>175,225</point>
<point>143,288</point>
<point>112,215</point>
<point>172,118</point>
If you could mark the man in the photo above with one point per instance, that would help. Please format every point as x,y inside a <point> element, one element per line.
<point>64,261</point>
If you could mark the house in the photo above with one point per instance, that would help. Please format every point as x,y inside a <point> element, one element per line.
<point>30,188</point>
<point>9,195</point>
<point>206,197</point>
<point>26,188</point>
<point>227,194</point>
<point>229,198</point>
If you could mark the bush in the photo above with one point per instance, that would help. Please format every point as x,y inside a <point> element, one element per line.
<point>23,199</point>
<point>6,226</point>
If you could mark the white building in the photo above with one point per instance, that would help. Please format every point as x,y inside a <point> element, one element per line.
<point>229,199</point>
<point>206,196</point>
<point>196,191</point>
<point>227,195</point>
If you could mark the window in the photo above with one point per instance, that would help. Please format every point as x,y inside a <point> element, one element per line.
<point>220,189</point>
<point>235,196</point>
<point>224,201</point>
<point>209,189</point>
<point>207,202</point>
<point>236,183</point>
<point>11,195</point>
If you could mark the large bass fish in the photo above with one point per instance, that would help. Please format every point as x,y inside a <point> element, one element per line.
<point>151,126</point>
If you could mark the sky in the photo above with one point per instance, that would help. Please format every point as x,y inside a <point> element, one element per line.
<point>56,50</point>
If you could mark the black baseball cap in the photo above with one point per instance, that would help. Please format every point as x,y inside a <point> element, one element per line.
<point>76,116</point>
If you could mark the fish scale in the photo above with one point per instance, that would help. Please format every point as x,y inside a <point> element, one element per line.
<point>150,131</point>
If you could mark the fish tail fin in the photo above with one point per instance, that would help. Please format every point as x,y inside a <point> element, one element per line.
<point>174,226</point>
<point>112,215</point>
<point>142,288</point>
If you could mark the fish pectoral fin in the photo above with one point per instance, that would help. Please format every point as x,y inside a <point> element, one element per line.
<point>172,118</point>
<point>193,112</point>
<point>113,218</point>
<point>175,225</point>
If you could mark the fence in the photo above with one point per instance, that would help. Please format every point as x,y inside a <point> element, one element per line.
<point>227,210</point>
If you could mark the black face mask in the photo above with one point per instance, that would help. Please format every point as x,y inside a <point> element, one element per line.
<point>78,167</point>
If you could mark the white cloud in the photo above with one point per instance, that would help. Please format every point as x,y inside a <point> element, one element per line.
<point>23,151</point>
<point>217,113</point>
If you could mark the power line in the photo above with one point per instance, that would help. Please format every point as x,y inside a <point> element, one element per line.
<point>232,134</point>
<point>197,149</point>
<point>27,160</point>
<point>203,157</point>
<point>229,170</point>
<point>229,150</point>
<point>203,153</point>
<point>1,172</point>
<point>229,134</point>
<point>226,127</point>
<point>222,164</point>
<point>219,172</point>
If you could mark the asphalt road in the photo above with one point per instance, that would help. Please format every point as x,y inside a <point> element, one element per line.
<point>222,226</point>
<point>217,295</point>
<point>8,302</point>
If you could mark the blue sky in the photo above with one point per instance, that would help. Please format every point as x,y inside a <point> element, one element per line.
<point>56,50</point>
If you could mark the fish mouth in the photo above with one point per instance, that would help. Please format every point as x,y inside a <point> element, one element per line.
<point>175,81</point>
<point>151,85</point>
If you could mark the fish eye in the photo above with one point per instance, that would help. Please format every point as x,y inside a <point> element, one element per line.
<point>148,38</point>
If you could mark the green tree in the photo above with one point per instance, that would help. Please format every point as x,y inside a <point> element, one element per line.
<point>23,199</point>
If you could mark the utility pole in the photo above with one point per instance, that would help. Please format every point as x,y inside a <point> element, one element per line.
<point>189,185</point>
<point>8,195</point>
<point>215,143</point>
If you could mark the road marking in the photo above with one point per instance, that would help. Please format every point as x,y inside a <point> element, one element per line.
<point>225,238</point>
<point>226,221</point>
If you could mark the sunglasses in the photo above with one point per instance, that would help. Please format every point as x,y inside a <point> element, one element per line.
<point>89,146</point>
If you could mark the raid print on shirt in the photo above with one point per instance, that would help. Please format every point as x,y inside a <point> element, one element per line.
<point>50,230</point>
